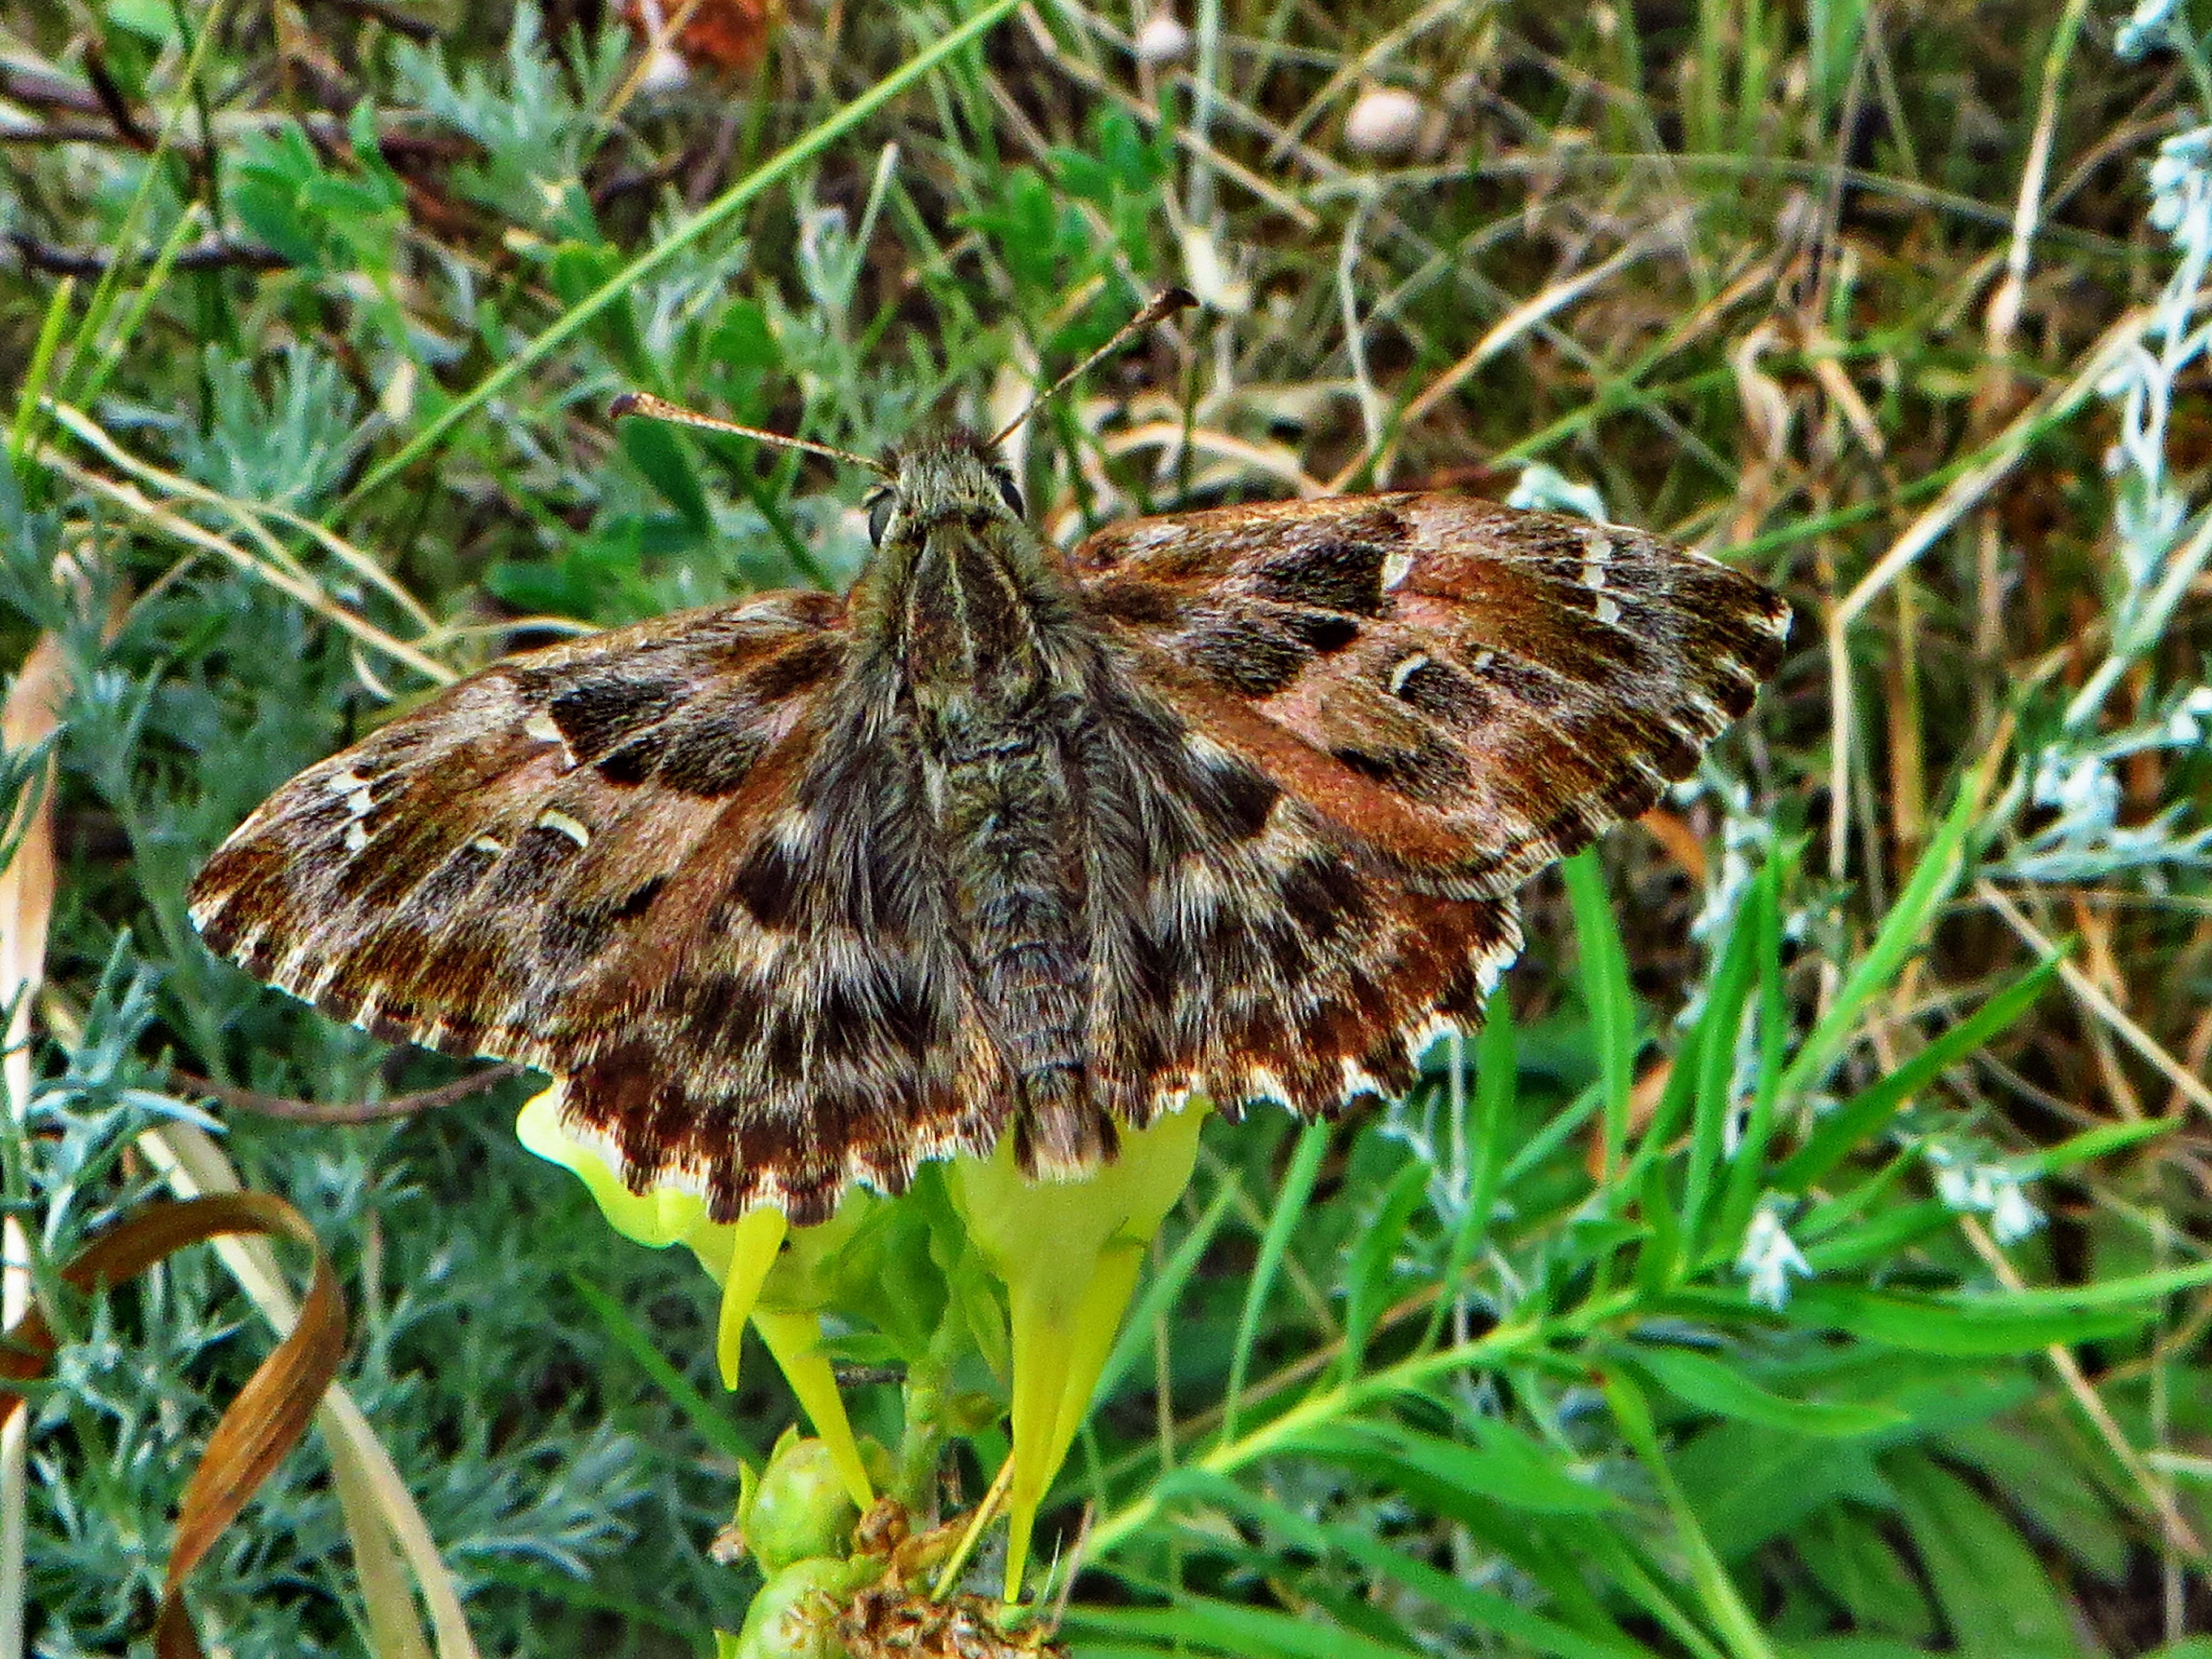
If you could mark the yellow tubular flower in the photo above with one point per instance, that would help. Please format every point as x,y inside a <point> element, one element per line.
<point>1068,1254</point>
<point>777,1289</point>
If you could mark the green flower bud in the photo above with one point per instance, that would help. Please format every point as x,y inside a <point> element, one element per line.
<point>799,1509</point>
<point>795,1614</point>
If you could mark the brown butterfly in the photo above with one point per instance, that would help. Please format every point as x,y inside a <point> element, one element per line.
<point>800,890</point>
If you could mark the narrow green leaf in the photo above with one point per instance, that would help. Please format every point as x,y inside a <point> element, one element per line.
<point>1850,1558</point>
<point>1658,1262</point>
<point>1967,1327</point>
<point>1994,1594</point>
<point>1899,935</point>
<point>657,451</point>
<point>1748,1167</point>
<point>42,363</point>
<point>1714,1386</point>
<point>1604,970</point>
<point>1496,1080</point>
<point>1878,1239</point>
<point>2045,1480</point>
<point>1712,1053</point>
<point>718,1428</point>
<point>1866,1113</point>
<point>1478,1608</point>
<point>1227,1628</point>
<point>1716,1590</point>
<point>1162,1292</point>
<point>1290,1208</point>
<point>1367,1282</point>
<point>1751,1484</point>
<point>1506,1468</point>
<point>2091,1145</point>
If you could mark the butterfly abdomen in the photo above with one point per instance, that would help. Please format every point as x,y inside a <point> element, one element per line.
<point>1014,845</point>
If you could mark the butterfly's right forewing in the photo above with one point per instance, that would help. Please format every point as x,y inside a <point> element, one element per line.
<point>1470,690</point>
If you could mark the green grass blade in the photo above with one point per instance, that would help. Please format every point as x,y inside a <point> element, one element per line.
<point>1716,1386</point>
<point>1903,932</point>
<point>1716,1590</point>
<point>1478,1607</point>
<point>42,363</point>
<point>1748,1167</point>
<point>1712,1053</point>
<point>1867,1112</point>
<point>731,202</point>
<point>1162,1293</point>
<point>1604,973</point>
<point>1290,1207</point>
<point>716,1426</point>
<point>1368,1279</point>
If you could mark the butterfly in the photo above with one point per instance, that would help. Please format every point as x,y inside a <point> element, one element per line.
<point>802,890</point>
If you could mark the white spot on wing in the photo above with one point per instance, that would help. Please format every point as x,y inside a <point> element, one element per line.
<point>1358,1080</point>
<point>356,836</point>
<point>491,844</point>
<point>360,801</point>
<point>1406,670</point>
<point>1205,749</point>
<point>540,725</point>
<point>1264,1085</point>
<point>1397,567</point>
<point>345,782</point>
<point>564,824</point>
<point>1597,551</point>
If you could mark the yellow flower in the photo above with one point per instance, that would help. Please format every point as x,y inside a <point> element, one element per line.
<point>782,1291</point>
<point>1068,1253</point>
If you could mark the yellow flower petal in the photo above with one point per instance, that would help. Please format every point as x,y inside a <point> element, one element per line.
<point>795,1339</point>
<point>1068,1254</point>
<point>777,1289</point>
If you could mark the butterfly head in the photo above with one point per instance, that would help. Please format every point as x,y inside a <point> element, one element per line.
<point>953,478</point>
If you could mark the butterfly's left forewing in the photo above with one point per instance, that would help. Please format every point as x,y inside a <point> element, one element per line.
<point>461,876</point>
<point>675,865</point>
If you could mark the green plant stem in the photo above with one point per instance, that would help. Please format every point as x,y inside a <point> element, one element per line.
<point>1327,1405</point>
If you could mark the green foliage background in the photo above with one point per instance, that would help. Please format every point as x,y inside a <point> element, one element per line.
<point>1687,1317</point>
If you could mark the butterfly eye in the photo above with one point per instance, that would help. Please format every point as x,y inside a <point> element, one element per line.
<point>880,506</point>
<point>1008,491</point>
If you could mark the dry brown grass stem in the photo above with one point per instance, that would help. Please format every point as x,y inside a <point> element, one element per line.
<point>304,590</point>
<point>2087,992</point>
<point>2174,1527</point>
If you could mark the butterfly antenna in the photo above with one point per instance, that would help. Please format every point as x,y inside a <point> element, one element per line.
<point>1164,304</point>
<point>660,408</point>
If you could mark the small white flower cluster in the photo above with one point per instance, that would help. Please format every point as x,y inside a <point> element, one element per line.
<point>2148,28</point>
<point>1546,489</point>
<point>2085,841</point>
<point>2162,540</point>
<point>1971,1185</point>
<point>1770,1256</point>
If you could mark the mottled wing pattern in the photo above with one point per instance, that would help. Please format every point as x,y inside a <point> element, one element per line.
<point>1470,691</point>
<point>1424,699</point>
<point>1243,945</point>
<point>591,859</point>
